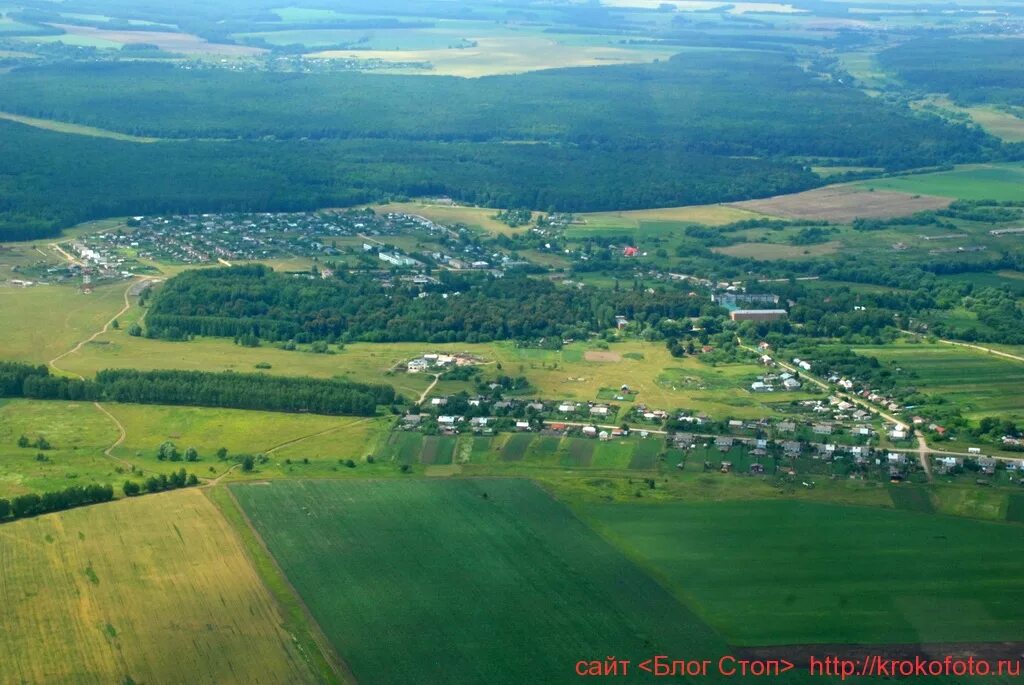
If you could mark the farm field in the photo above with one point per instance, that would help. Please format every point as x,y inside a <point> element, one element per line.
<point>480,218</point>
<point>980,384</point>
<point>495,55</point>
<point>711,215</point>
<point>772,251</point>
<point>844,203</point>
<point>969,182</point>
<point>152,590</point>
<point>863,575</point>
<point>165,40</point>
<point>472,559</point>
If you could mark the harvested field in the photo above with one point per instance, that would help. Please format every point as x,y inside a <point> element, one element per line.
<point>602,356</point>
<point>844,203</point>
<point>150,590</point>
<point>165,40</point>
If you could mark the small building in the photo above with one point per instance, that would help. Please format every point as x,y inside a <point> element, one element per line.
<point>589,431</point>
<point>522,425</point>
<point>758,314</point>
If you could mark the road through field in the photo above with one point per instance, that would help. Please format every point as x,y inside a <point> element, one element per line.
<point>135,286</point>
<point>971,346</point>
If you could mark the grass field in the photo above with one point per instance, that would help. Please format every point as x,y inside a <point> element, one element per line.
<point>773,251</point>
<point>45,321</point>
<point>980,384</point>
<point>971,182</point>
<point>802,573</point>
<point>480,218</point>
<point>152,590</point>
<point>711,215</point>
<point>661,380</point>
<point>412,581</point>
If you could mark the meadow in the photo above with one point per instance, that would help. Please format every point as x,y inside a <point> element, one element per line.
<point>411,580</point>
<point>152,590</point>
<point>969,182</point>
<point>979,384</point>
<point>790,573</point>
<point>660,379</point>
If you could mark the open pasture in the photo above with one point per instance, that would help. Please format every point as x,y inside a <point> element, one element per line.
<point>152,590</point>
<point>376,561</point>
<point>773,251</point>
<point>844,203</point>
<point>980,384</point>
<point>969,182</point>
<point>861,575</point>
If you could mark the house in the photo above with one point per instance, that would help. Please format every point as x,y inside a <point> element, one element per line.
<point>898,434</point>
<point>896,459</point>
<point>757,314</point>
<point>417,365</point>
<point>947,464</point>
<point>682,439</point>
<point>760,386</point>
<point>536,406</point>
<point>974,450</point>
<point>522,425</point>
<point>988,465</point>
<point>735,424</point>
<point>723,443</point>
<point>791,448</point>
<point>438,401</point>
<point>630,251</point>
<point>603,436</point>
<point>621,322</point>
<point>589,431</point>
<point>567,407</point>
<point>786,426</point>
<point>822,429</point>
<point>791,384</point>
<point>411,420</point>
<point>448,420</point>
<point>599,410</point>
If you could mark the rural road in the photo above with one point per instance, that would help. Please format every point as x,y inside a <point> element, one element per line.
<point>426,392</point>
<point>134,287</point>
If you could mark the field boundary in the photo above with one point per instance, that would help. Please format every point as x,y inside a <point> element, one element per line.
<point>326,662</point>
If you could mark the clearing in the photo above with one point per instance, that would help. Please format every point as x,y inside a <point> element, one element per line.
<point>120,592</point>
<point>844,203</point>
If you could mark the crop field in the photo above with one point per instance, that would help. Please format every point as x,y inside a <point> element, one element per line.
<point>844,203</point>
<point>471,559</point>
<point>152,590</point>
<point>506,55</point>
<point>980,384</point>
<point>1015,509</point>
<point>970,182</point>
<point>863,575</point>
<point>165,40</point>
<point>479,218</point>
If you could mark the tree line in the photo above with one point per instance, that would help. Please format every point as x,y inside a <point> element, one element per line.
<point>254,300</point>
<point>32,504</point>
<point>198,388</point>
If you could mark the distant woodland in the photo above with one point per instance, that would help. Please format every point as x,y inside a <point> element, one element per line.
<point>707,128</point>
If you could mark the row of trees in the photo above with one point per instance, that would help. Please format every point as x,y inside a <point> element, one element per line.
<point>160,483</point>
<point>256,301</point>
<point>32,504</point>
<point>197,388</point>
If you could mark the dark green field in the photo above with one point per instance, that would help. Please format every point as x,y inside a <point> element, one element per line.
<point>804,573</point>
<point>433,582</point>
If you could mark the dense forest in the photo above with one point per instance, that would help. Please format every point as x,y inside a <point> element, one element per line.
<point>200,389</point>
<point>972,71</point>
<point>254,300</point>
<point>49,181</point>
<point>709,128</point>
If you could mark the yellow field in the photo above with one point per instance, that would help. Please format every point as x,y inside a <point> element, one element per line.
<point>152,590</point>
<point>999,123</point>
<point>75,129</point>
<point>512,55</point>
<point>165,40</point>
<point>711,215</point>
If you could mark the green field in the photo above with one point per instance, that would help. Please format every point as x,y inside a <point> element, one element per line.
<point>152,590</point>
<point>467,581</point>
<point>782,573</point>
<point>979,383</point>
<point>972,182</point>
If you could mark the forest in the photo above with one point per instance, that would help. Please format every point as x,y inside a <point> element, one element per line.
<point>254,300</point>
<point>972,71</point>
<point>200,389</point>
<point>709,128</point>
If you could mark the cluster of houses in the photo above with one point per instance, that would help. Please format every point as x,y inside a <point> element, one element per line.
<point>769,382</point>
<point>439,361</point>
